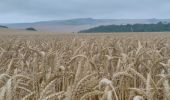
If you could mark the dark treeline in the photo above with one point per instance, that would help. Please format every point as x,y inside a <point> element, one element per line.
<point>3,26</point>
<point>159,27</point>
<point>31,29</point>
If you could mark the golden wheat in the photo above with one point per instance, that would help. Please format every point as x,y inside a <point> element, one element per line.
<point>124,66</point>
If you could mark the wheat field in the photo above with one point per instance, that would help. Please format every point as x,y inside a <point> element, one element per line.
<point>112,66</point>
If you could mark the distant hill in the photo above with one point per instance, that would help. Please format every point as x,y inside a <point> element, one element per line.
<point>159,27</point>
<point>75,25</point>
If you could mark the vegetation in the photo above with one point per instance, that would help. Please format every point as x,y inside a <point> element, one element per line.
<point>3,26</point>
<point>31,29</point>
<point>159,27</point>
<point>85,67</point>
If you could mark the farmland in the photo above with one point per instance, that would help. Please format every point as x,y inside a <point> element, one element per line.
<point>103,66</point>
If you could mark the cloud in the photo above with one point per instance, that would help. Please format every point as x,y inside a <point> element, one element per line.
<point>35,10</point>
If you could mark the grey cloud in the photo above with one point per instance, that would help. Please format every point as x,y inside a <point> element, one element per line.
<point>27,10</point>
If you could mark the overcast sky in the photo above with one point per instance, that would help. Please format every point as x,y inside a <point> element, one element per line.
<point>36,10</point>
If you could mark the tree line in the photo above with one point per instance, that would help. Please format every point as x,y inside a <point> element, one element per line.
<point>159,27</point>
<point>3,26</point>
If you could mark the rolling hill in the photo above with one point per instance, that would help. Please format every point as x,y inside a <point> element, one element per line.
<point>75,25</point>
